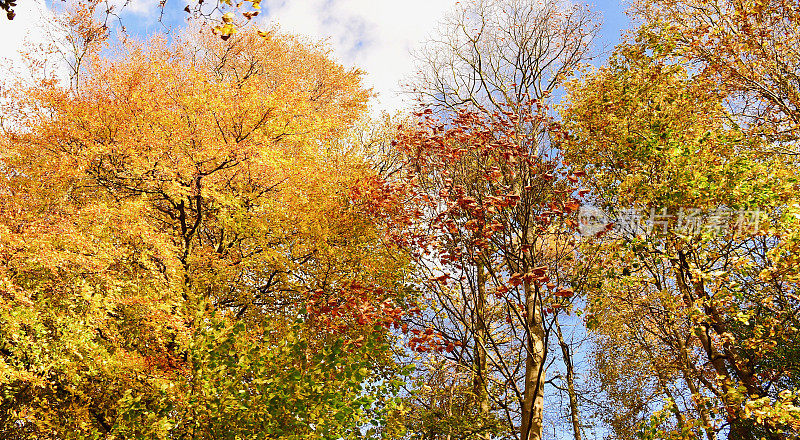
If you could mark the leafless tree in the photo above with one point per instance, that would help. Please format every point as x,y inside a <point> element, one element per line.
<point>497,53</point>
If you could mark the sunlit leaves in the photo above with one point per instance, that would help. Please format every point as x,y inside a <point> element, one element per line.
<point>168,229</point>
<point>691,313</point>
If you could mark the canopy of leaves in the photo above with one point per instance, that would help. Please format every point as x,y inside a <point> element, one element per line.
<point>681,311</point>
<point>181,255</point>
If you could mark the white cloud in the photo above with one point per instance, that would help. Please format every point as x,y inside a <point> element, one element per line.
<point>374,35</point>
<point>28,25</point>
<point>143,8</point>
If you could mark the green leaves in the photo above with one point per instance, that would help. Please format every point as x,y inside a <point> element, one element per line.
<point>696,310</point>
<point>284,386</point>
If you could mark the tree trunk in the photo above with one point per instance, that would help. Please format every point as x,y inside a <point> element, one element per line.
<point>533,398</point>
<point>685,365</point>
<point>573,396</point>
<point>479,363</point>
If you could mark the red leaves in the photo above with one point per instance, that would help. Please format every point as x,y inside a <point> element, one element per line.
<point>473,225</point>
<point>512,199</point>
<point>440,279</point>
<point>539,271</point>
<point>571,223</point>
<point>486,179</point>
<point>481,243</point>
<point>429,339</point>
<point>376,196</point>
<point>467,203</point>
<point>494,174</point>
<point>165,362</point>
<point>564,293</point>
<point>366,306</point>
<point>553,308</point>
<point>494,227</point>
<point>572,206</point>
<point>538,275</point>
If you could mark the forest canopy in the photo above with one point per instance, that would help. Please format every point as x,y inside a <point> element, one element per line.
<point>210,235</point>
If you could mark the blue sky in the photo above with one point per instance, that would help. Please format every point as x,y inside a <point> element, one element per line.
<point>375,35</point>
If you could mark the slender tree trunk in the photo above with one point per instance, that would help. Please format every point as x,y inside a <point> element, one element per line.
<point>723,361</point>
<point>708,424</point>
<point>533,399</point>
<point>479,366</point>
<point>573,396</point>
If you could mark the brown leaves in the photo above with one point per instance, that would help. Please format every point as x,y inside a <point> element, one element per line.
<point>564,293</point>
<point>346,310</point>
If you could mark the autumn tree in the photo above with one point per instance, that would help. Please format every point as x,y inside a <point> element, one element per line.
<point>749,48</point>
<point>182,252</point>
<point>498,249</point>
<point>695,325</point>
<point>726,69</point>
<point>488,74</point>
